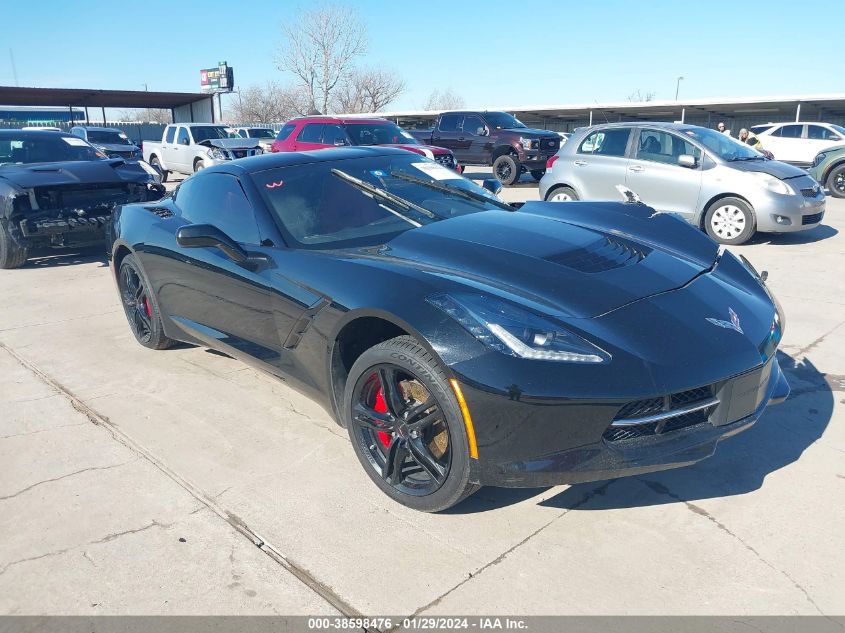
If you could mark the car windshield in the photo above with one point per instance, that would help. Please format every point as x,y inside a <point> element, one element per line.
<point>44,147</point>
<point>378,134</point>
<point>205,132</point>
<point>839,129</point>
<point>722,145</point>
<point>503,120</point>
<point>261,133</point>
<point>364,201</point>
<point>111,137</point>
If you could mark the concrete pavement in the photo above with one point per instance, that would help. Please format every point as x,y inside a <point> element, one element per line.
<point>111,453</point>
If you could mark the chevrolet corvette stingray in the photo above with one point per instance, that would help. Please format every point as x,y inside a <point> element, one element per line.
<point>460,341</point>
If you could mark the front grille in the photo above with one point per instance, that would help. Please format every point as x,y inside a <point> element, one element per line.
<point>120,154</point>
<point>626,427</point>
<point>601,255</point>
<point>811,192</point>
<point>447,160</point>
<point>549,144</point>
<point>812,219</point>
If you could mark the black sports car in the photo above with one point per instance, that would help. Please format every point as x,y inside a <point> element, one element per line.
<point>57,190</point>
<point>460,341</point>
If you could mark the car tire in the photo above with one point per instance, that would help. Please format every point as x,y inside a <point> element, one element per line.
<point>730,221</point>
<point>140,305</point>
<point>506,169</point>
<point>199,165</point>
<point>413,371</point>
<point>536,174</point>
<point>12,254</point>
<point>835,181</point>
<point>155,163</point>
<point>561,194</point>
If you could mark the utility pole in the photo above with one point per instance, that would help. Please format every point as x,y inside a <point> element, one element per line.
<point>678,87</point>
<point>14,68</point>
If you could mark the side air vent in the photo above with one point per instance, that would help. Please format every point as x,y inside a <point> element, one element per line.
<point>656,416</point>
<point>162,212</point>
<point>606,253</point>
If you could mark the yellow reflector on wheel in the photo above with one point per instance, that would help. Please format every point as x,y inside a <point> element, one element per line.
<point>473,447</point>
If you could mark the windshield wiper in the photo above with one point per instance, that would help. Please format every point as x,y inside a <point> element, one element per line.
<point>440,186</point>
<point>747,158</point>
<point>377,192</point>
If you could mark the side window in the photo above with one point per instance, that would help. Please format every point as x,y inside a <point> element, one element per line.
<point>219,200</point>
<point>171,132</point>
<point>183,139</point>
<point>789,131</point>
<point>284,133</point>
<point>334,135</point>
<point>819,133</point>
<point>662,147</point>
<point>473,124</point>
<point>612,142</point>
<point>450,122</point>
<point>311,133</point>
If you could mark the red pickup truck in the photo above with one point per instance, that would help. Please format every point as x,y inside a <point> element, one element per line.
<point>320,132</point>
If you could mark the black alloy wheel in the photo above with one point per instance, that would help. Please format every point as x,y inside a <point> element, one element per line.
<point>140,306</point>
<point>836,182</point>
<point>507,169</point>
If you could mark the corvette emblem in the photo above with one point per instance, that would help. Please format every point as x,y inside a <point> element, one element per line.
<point>733,324</point>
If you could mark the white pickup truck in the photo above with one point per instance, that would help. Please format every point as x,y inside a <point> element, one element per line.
<point>185,148</point>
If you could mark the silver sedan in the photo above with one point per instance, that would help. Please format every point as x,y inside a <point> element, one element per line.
<point>714,181</point>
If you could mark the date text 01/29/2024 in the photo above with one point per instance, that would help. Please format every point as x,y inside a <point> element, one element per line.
<point>418,623</point>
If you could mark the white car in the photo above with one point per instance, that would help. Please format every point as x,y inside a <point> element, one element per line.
<point>800,142</point>
<point>265,135</point>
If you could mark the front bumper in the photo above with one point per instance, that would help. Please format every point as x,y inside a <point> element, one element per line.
<point>580,456</point>
<point>786,214</point>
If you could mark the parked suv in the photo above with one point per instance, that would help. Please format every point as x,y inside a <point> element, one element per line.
<point>494,138</point>
<point>320,132</point>
<point>111,141</point>
<point>714,181</point>
<point>799,143</point>
<point>829,169</point>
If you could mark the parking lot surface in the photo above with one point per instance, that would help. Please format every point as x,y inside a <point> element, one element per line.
<point>181,481</point>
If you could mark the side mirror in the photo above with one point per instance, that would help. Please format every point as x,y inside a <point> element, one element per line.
<point>482,131</point>
<point>199,235</point>
<point>492,185</point>
<point>184,141</point>
<point>687,160</point>
<point>834,137</point>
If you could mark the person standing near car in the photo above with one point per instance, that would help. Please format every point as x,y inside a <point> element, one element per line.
<point>721,127</point>
<point>750,138</point>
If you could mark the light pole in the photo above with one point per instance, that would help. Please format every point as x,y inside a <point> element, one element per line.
<point>678,87</point>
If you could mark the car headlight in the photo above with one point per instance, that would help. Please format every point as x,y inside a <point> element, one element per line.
<point>511,330</point>
<point>529,143</point>
<point>819,158</point>
<point>773,184</point>
<point>217,153</point>
<point>148,168</point>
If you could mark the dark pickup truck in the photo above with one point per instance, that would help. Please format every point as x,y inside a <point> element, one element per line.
<point>493,138</point>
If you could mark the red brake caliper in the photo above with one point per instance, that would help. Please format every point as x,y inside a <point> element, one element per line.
<point>381,407</point>
<point>147,306</point>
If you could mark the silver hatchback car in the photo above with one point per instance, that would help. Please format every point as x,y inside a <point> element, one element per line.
<point>714,181</point>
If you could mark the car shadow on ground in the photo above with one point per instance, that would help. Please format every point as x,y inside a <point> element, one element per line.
<point>740,464</point>
<point>821,232</point>
<point>66,257</point>
<point>525,180</point>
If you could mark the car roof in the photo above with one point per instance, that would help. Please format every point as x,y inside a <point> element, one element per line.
<point>264,162</point>
<point>661,125</point>
<point>334,119</point>
<point>98,128</point>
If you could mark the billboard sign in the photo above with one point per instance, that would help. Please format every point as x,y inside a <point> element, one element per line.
<point>220,79</point>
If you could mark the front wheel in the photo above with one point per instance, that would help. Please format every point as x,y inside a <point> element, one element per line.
<point>836,182</point>
<point>406,426</point>
<point>199,165</point>
<point>536,174</point>
<point>12,254</point>
<point>730,221</point>
<point>140,305</point>
<point>155,163</point>
<point>507,169</point>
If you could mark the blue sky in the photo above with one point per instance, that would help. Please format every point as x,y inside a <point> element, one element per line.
<point>492,52</point>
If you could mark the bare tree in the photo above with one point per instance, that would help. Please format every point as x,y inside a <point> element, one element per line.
<point>147,115</point>
<point>444,100</point>
<point>367,90</point>
<point>320,47</point>
<point>639,96</point>
<point>270,103</point>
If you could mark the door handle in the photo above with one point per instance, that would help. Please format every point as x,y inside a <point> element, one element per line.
<point>580,162</point>
<point>461,138</point>
<point>636,168</point>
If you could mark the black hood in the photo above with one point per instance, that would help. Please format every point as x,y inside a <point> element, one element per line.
<point>569,268</point>
<point>772,167</point>
<point>73,173</point>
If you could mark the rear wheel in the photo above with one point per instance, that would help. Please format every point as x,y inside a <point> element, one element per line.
<point>507,169</point>
<point>406,426</point>
<point>536,174</point>
<point>140,306</point>
<point>836,182</point>
<point>730,221</point>
<point>561,194</point>
<point>156,164</point>
<point>12,254</point>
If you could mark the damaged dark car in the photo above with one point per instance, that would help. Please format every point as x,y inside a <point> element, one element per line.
<point>57,191</point>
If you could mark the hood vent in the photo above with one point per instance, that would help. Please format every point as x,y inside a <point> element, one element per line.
<point>605,253</point>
